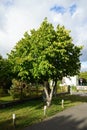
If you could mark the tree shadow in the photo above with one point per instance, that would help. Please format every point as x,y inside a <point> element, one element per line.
<point>60,123</point>
<point>69,99</point>
<point>20,122</point>
<point>57,123</point>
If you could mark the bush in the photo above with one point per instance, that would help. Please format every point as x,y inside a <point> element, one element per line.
<point>74,88</point>
<point>18,90</point>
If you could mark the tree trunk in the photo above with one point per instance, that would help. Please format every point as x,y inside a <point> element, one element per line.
<point>55,88</point>
<point>49,93</point>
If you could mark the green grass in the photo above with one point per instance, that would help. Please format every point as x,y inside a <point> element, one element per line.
<point>32,111</point>
<point>6,99</point>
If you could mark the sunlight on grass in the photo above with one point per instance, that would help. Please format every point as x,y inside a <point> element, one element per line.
<point>32,111</point>
<point>6,99</point>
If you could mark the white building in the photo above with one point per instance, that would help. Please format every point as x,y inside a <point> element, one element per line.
<point>73,81</point>
<point>70,80</point>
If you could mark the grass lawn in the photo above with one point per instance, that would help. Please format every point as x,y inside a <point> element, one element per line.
<point>6,99</point>
<point>32,111</point>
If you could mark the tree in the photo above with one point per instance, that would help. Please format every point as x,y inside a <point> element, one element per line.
<point>46,55</point>
<point>5,73</point>
<point>83,78</point>
<point>83,75</point>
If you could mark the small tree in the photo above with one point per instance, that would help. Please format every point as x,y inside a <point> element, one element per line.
<point>46,55</point>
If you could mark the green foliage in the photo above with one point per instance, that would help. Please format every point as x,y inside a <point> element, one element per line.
<point>74,88</point>
<point>18,90</point>
<point>45,54</point>
<point>83,75</point>
<point>5,73</point>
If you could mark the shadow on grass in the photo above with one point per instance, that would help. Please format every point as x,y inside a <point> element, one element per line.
<point>57,100</point>
<point>6,125</point>
<point>31,103</point>
<point>38,104</point>
<point>69,99</point>
<point>20,122</point>
<point>28,117</point>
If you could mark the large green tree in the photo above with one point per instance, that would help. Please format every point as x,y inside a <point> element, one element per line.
<point>44,55</point>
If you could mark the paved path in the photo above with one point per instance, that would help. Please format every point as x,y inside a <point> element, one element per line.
<point>80,93</point>
<point>74,118</point>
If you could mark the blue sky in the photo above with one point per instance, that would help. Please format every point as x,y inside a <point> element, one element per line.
<point>7,3</point>
<point>73,9</point>
<point>58,9</point>
<point>61,9</point>
<point>18,16</point>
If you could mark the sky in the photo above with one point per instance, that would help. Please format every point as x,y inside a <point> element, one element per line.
<point>19,16</point>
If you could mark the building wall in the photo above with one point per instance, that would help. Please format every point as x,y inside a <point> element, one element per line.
<point>72,81</point>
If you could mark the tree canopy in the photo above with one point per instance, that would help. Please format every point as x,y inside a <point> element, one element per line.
<point>45,53</point>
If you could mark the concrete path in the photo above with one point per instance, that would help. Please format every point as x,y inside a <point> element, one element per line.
<point>74,118</point>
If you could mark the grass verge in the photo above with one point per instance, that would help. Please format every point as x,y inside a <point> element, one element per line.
<point>32,111</point>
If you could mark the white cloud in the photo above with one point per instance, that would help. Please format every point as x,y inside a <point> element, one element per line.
<point>84,66</point>
<point>18,16</point>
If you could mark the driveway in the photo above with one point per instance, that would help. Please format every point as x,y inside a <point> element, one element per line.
<point>74,118</point>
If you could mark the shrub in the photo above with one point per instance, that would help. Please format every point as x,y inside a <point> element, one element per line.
<point>18,90</point>
<point>74,88</point>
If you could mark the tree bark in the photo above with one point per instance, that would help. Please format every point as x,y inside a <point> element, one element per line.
<point>49,93</point>
<point>55,88</point>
